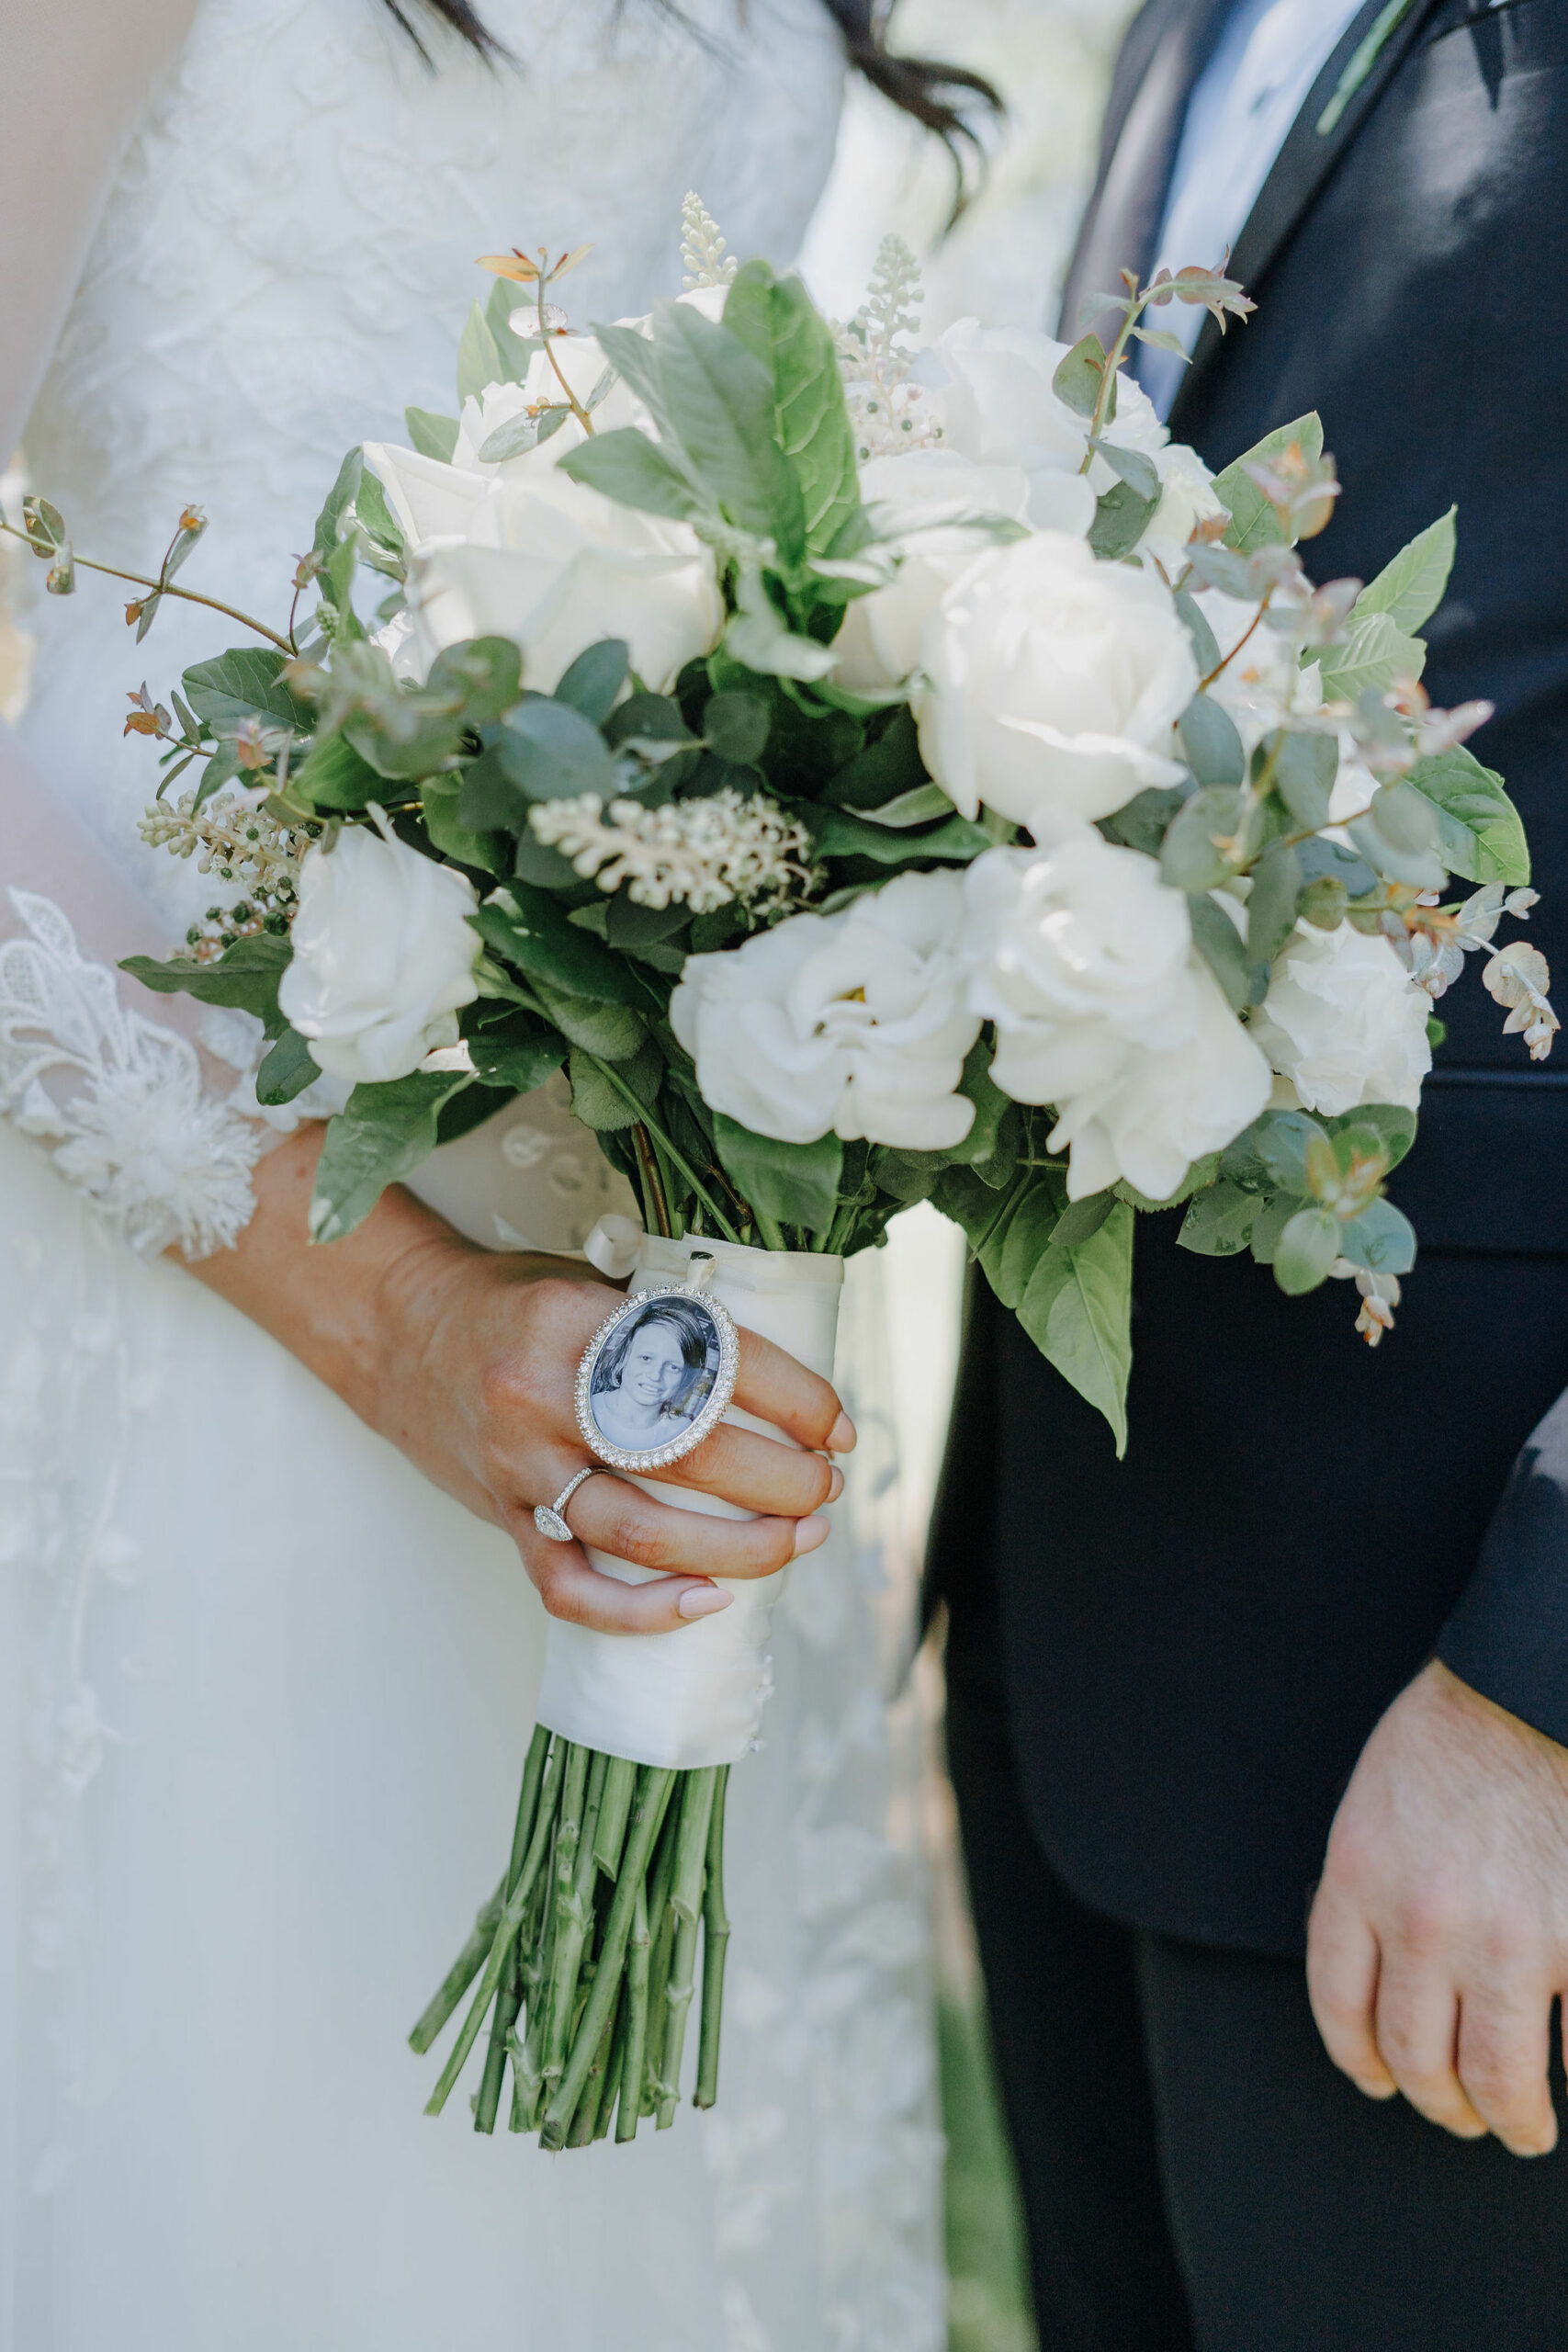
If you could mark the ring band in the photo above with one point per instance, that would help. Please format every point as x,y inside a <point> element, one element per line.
<point>549,1518</point>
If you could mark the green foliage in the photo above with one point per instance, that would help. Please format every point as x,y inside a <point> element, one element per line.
<point>795,1184</point>
<point>1191,859</point>
<point>1077,1309</point>
<point>1079,376</point>
<point>607,1097</point>
<point>431,435</point>
<point>632,469</point>
<point>776,321</point>
<point>241,685</point>
<point>1210,740</point>
<point>1121,518</point>
<point>1254,523</point>
<point>836,833</point>
<point>1480,832</point>
<point>1219,942</point>
<point>533,931</point>
<point>1376,653</point>
<point>1219,1220</point>
<point>1273,901</point>
<point>479,362</point>
<point>245,977</point>
<point>286,1070</point>
<point>1410,589</point>
<point>334,775</point>
<point>594,683</point>
<point>1303,768</point>
<point>380,1138</point>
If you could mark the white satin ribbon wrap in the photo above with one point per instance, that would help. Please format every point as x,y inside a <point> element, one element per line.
<point>694,1696</point>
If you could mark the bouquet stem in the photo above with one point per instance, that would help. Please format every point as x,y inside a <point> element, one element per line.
<point>584,1961</point>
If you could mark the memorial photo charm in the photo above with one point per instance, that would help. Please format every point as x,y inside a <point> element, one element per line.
<point>657,1375</point>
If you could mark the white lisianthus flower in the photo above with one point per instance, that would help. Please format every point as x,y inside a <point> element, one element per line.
<point>384,955</point>
<point>855,1023</point>
<point>1084,959</point>
<point>1053,684</point>
<point>928,499</point>
<point>1344,1021</point>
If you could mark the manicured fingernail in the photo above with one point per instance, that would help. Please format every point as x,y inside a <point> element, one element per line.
<point>703,1600</point>
<point>841,1437</point>
<point>810,1533</point>
<point>835,1483</point>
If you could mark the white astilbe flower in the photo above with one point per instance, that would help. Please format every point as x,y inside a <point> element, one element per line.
<point>887,412</point>
<point>700,854</point>
<point>703,250</point>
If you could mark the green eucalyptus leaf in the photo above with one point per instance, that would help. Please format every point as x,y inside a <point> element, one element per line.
<point>656,718</point>
<point>736,727</point>
<point>1190,859</point>
<point>381,1137</point>
<point>332,775</point>
<point>1393,1124</point>
<point>1079,376</point>
<point>1219,1220</point>
<point>1410,589</point>
<point>1140,473</point>
<point>1272,1218</point>
<point>795,1184</point>
<point>1220,944</point>
<point>1382,1238</point>
<point>552,752</point>
<point>1305,1251</point>
<point>592,683</point>
<point>1272,903</point>
<point>490,853</point>
<point>1254,523</point>
<point>1270,1155</point>
<point>1480,832</point>
<point>1209,738</point>
<point>1205,645</point>
<point>1121,518</point>
<point>1399,835</point>
<point>1305,771</point>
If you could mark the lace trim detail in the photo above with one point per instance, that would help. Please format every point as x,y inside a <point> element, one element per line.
<point>164,1161</point>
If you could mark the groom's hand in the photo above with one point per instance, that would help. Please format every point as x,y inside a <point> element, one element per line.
<point>1439,1932</point>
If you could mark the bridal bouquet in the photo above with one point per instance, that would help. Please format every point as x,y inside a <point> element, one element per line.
<point>875,770</point>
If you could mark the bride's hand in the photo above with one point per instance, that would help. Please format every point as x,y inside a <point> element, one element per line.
<point>468,1363</point>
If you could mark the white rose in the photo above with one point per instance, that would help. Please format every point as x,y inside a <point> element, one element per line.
<point>556,566</point>
<point>927,498</point>
<point>1083,958</point>
<point>855,1023</point>
<point>1344,1021</point>
<point>383,956</point>
<point>989,390</point>
<point>1054,682</point>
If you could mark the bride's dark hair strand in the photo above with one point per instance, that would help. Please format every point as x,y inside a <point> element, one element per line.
<point>942,98</point>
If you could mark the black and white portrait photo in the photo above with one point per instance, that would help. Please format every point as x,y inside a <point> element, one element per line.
<point>654,1375</point>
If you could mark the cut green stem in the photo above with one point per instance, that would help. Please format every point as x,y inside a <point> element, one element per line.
<point>460,1975</point>
<point>716,1945</point>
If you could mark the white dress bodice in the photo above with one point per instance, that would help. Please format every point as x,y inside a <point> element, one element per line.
<point>287,261</point>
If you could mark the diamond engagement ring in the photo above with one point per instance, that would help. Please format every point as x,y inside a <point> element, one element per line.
<point>550,1518</point>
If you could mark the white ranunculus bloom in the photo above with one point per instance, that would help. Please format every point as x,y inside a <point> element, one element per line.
<point>927,498</point>
<point>855,1023</point>
<point>384,955</point>
<point>1344,1021</point>
<point>1054,682</point>
<point>1083,958</point>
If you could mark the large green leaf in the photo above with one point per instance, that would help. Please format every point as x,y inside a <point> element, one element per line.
<point>795,1184</point>
<point>287,1070</point>
<point>431,435</point>
<point>837,833</point>
<point>332,775</point>
<point>633,471</point>
<point>1410,589</point>
<point>340,497</point>
<point>479,360</point>
<point>1376,652</point>
<point>1078,1311</point>
<point>1253,522</point>
<point>244,976</point>
<point>720,399</point>
<point>1480,832</point>
<point>491,853</point>
<point>779,325</point>
<point>244,683</point>
<point>381,1137</point>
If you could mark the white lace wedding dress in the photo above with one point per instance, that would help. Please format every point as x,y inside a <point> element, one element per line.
<point>264,1693</point>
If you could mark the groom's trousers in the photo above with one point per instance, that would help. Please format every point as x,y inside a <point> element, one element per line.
<point>1197,2176</point>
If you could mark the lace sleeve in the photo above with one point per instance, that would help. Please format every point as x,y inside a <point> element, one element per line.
<point>123,1101</point>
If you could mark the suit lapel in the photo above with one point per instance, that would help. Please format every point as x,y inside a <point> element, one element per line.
<point>1167,50</point>
<point>1302,164</point>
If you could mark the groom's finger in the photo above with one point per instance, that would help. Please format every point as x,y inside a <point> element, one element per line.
<point>1342,1984</point>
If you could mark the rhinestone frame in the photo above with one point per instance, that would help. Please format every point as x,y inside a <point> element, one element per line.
<point>659,1457</point>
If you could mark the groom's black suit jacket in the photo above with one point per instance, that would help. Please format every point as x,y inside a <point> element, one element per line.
<point>1192,1646</point>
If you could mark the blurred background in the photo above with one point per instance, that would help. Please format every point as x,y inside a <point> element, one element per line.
<point>1003,264</point>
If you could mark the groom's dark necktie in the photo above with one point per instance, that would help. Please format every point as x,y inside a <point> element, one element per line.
<point>1121,226</point>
